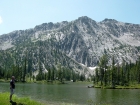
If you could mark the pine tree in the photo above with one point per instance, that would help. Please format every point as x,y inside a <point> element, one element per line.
<point>103,68</point>
<point>52,74</point>
<point>49,74</point>
<point>138,70</point>
<point>122,73</point>
<point>113,73</point>
<point>24,72</point>
<point>96,76</point>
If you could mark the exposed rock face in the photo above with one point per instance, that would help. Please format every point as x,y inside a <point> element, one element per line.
<point>83,40</point>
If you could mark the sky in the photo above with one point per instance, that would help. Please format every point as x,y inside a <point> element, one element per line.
<point>25,14</point>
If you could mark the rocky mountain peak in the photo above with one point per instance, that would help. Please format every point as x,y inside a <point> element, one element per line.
<point>84,19</point>
<point>106,20</point>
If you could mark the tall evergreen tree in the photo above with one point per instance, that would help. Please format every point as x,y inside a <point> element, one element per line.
<point>113,72</point>
<point>24,70</point>
<point>103,67</point>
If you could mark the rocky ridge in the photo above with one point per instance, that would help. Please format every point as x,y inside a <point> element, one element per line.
<point>83,41</point>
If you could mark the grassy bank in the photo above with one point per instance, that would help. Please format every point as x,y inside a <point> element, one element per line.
<point>4,80</point>
<point>136,86</point>
<point>4,100</point>
<point>47,82</point>
<point>40,82</point>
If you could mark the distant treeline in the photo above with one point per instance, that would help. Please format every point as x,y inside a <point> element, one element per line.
<point>105,75</point>
<point>122,74</point>
<point>23,74</point>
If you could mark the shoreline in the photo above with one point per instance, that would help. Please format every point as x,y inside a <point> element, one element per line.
<point>118,87</point>
<point>135,86</point>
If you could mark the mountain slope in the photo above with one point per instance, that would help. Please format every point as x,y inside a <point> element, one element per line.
<point>82,41</point>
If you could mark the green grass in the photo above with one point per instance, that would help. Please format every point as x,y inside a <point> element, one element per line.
<point>136,86</point>
<point>4,80</point>
<point>4,100</point>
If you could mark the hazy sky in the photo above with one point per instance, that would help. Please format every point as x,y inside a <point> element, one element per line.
<point>24,14</point>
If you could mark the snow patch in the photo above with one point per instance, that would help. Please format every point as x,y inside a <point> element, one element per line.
<point>92,70</point>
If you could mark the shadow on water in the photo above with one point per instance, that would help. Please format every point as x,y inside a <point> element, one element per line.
<point>14,103</point>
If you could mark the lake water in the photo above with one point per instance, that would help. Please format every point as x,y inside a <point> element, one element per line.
<point>74,93</point>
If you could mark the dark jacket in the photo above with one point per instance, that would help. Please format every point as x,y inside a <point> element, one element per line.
<point>12,84</point>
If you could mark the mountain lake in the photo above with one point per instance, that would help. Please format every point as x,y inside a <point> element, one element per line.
<point>74,93</point>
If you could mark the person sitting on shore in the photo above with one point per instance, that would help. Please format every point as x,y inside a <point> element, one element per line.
<point>12,87</point>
